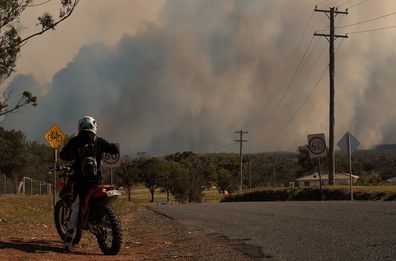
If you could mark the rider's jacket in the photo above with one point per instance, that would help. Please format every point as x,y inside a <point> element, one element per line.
<point>71,151</point>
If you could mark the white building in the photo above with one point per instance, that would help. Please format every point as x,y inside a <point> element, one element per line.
<point>392,180</point>
<point>313,179</point>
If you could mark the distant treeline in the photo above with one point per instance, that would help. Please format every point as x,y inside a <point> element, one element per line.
<point>186,174</point>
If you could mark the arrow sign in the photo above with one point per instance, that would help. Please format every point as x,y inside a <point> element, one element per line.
<point>344,142</point>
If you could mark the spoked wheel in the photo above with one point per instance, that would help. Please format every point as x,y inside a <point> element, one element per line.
<point>109,234</point>
<point>61,217</point>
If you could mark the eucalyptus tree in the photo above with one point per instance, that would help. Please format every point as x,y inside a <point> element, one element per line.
<point>12,39</point>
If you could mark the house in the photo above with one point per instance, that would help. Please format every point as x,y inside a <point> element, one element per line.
<point>391,180</point>
<point>313,179</point>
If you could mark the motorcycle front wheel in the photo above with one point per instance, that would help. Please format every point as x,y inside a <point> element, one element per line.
<point>110,235</point>
<point>61,217</point>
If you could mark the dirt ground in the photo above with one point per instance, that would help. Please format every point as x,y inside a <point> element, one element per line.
<point>147,236</point>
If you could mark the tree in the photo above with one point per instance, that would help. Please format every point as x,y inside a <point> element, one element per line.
<point>305,163</point>
<point>226,181</point>
<point>151,174</point>
<point>199,172</point>
<point>179,178</point>
<point>12,40</point>
<point>128,174</point>
<point>167,177</point>
<point>39,158</point>
<point>13,154</point>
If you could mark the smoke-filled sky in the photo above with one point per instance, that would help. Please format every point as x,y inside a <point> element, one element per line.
<point>177,75</point>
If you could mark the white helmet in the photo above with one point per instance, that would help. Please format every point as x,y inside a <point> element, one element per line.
<point>87,123</point>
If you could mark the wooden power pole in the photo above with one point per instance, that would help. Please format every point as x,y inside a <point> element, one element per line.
<point>241,141</point>
<point>331,37</point>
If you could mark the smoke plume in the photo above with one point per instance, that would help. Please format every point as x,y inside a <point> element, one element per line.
<point>212,67</point>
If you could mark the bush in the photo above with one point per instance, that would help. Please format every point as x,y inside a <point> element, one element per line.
<point>306,194</point>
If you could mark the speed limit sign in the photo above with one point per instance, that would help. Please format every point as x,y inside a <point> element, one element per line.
<point>317,145</point>
<point>111,160</point>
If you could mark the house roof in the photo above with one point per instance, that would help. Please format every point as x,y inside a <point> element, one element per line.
<point>392,180</point>
<point>337,176</point>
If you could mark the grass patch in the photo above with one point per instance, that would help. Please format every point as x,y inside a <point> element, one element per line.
<point>35,209</point>
<point>26,209</point>
<point>335,192</point>
<point>141,195</point>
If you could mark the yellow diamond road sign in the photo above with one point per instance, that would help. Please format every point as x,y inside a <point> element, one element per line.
<point>54,136</point>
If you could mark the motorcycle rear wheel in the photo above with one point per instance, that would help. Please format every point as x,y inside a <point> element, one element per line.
<point>61,217</point>
<point>110,237</point>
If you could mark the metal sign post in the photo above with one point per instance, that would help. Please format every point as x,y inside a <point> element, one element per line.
<point>54,178</point>
<point>320,180</point>
<point>54,136</point>
<point>348,143</point>
<point>111,161</point>
<point>317,149</point>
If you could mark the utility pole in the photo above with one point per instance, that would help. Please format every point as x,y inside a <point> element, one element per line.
<point>250,172</point>
<point>241,141</point>
<point>140,154</point>
<point>274,176</point>
<point>331,14</point>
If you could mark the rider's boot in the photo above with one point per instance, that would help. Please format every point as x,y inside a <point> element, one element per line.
<point>68,244</point>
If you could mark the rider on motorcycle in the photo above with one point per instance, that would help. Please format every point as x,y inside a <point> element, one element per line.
<point>73,151</point>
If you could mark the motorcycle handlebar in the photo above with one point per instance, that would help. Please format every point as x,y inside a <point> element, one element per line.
<point>65,167</point>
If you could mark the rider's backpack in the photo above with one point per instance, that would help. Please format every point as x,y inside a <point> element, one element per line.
<point>89,166</point>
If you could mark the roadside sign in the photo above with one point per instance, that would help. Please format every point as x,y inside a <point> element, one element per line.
<point>348,143</point>
<point>54,136</point>
<point>112,160</point>
<point>317,145</point>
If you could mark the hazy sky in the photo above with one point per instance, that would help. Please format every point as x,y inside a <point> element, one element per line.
<point>176,75</point>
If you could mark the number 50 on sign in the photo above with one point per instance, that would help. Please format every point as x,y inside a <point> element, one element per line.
<point>317,145</point>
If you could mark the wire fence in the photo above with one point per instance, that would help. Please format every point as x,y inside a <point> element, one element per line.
<point>27,186</point>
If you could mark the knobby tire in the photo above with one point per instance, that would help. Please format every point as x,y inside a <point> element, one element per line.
<point>115,223</point>
<point>63,212</point>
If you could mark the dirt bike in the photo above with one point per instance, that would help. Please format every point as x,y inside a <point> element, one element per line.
<point>96,213</point>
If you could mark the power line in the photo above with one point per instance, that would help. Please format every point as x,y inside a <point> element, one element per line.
<point>276,111</point>
<point>300,86</point>
<point>284,71</point>
<point>321,3</point>
<point>347,2</point>
<point>372,30</point>
<point>292,57</point>
<point>287,89</point>
<point>359,3</point>
<point>366,21</point>
<point>299,108</point>
<point>304,102</point>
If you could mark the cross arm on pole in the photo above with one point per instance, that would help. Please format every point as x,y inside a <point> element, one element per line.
<point>328,35</point>
<point>328,11</point>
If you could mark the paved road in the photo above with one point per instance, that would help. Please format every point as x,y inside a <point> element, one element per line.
<point>300,230</point>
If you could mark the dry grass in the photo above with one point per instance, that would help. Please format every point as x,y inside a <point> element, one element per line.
<point>26,209</point>
<point>37,209</point>
<point>141,195</point>
<point>372,189</point>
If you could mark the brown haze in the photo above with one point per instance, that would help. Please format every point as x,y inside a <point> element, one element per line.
<point>189,78</point>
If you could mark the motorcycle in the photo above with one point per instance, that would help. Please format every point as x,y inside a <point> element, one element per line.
<point>96,213</point>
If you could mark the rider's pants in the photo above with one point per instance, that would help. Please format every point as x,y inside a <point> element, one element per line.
<point>75,208</point>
